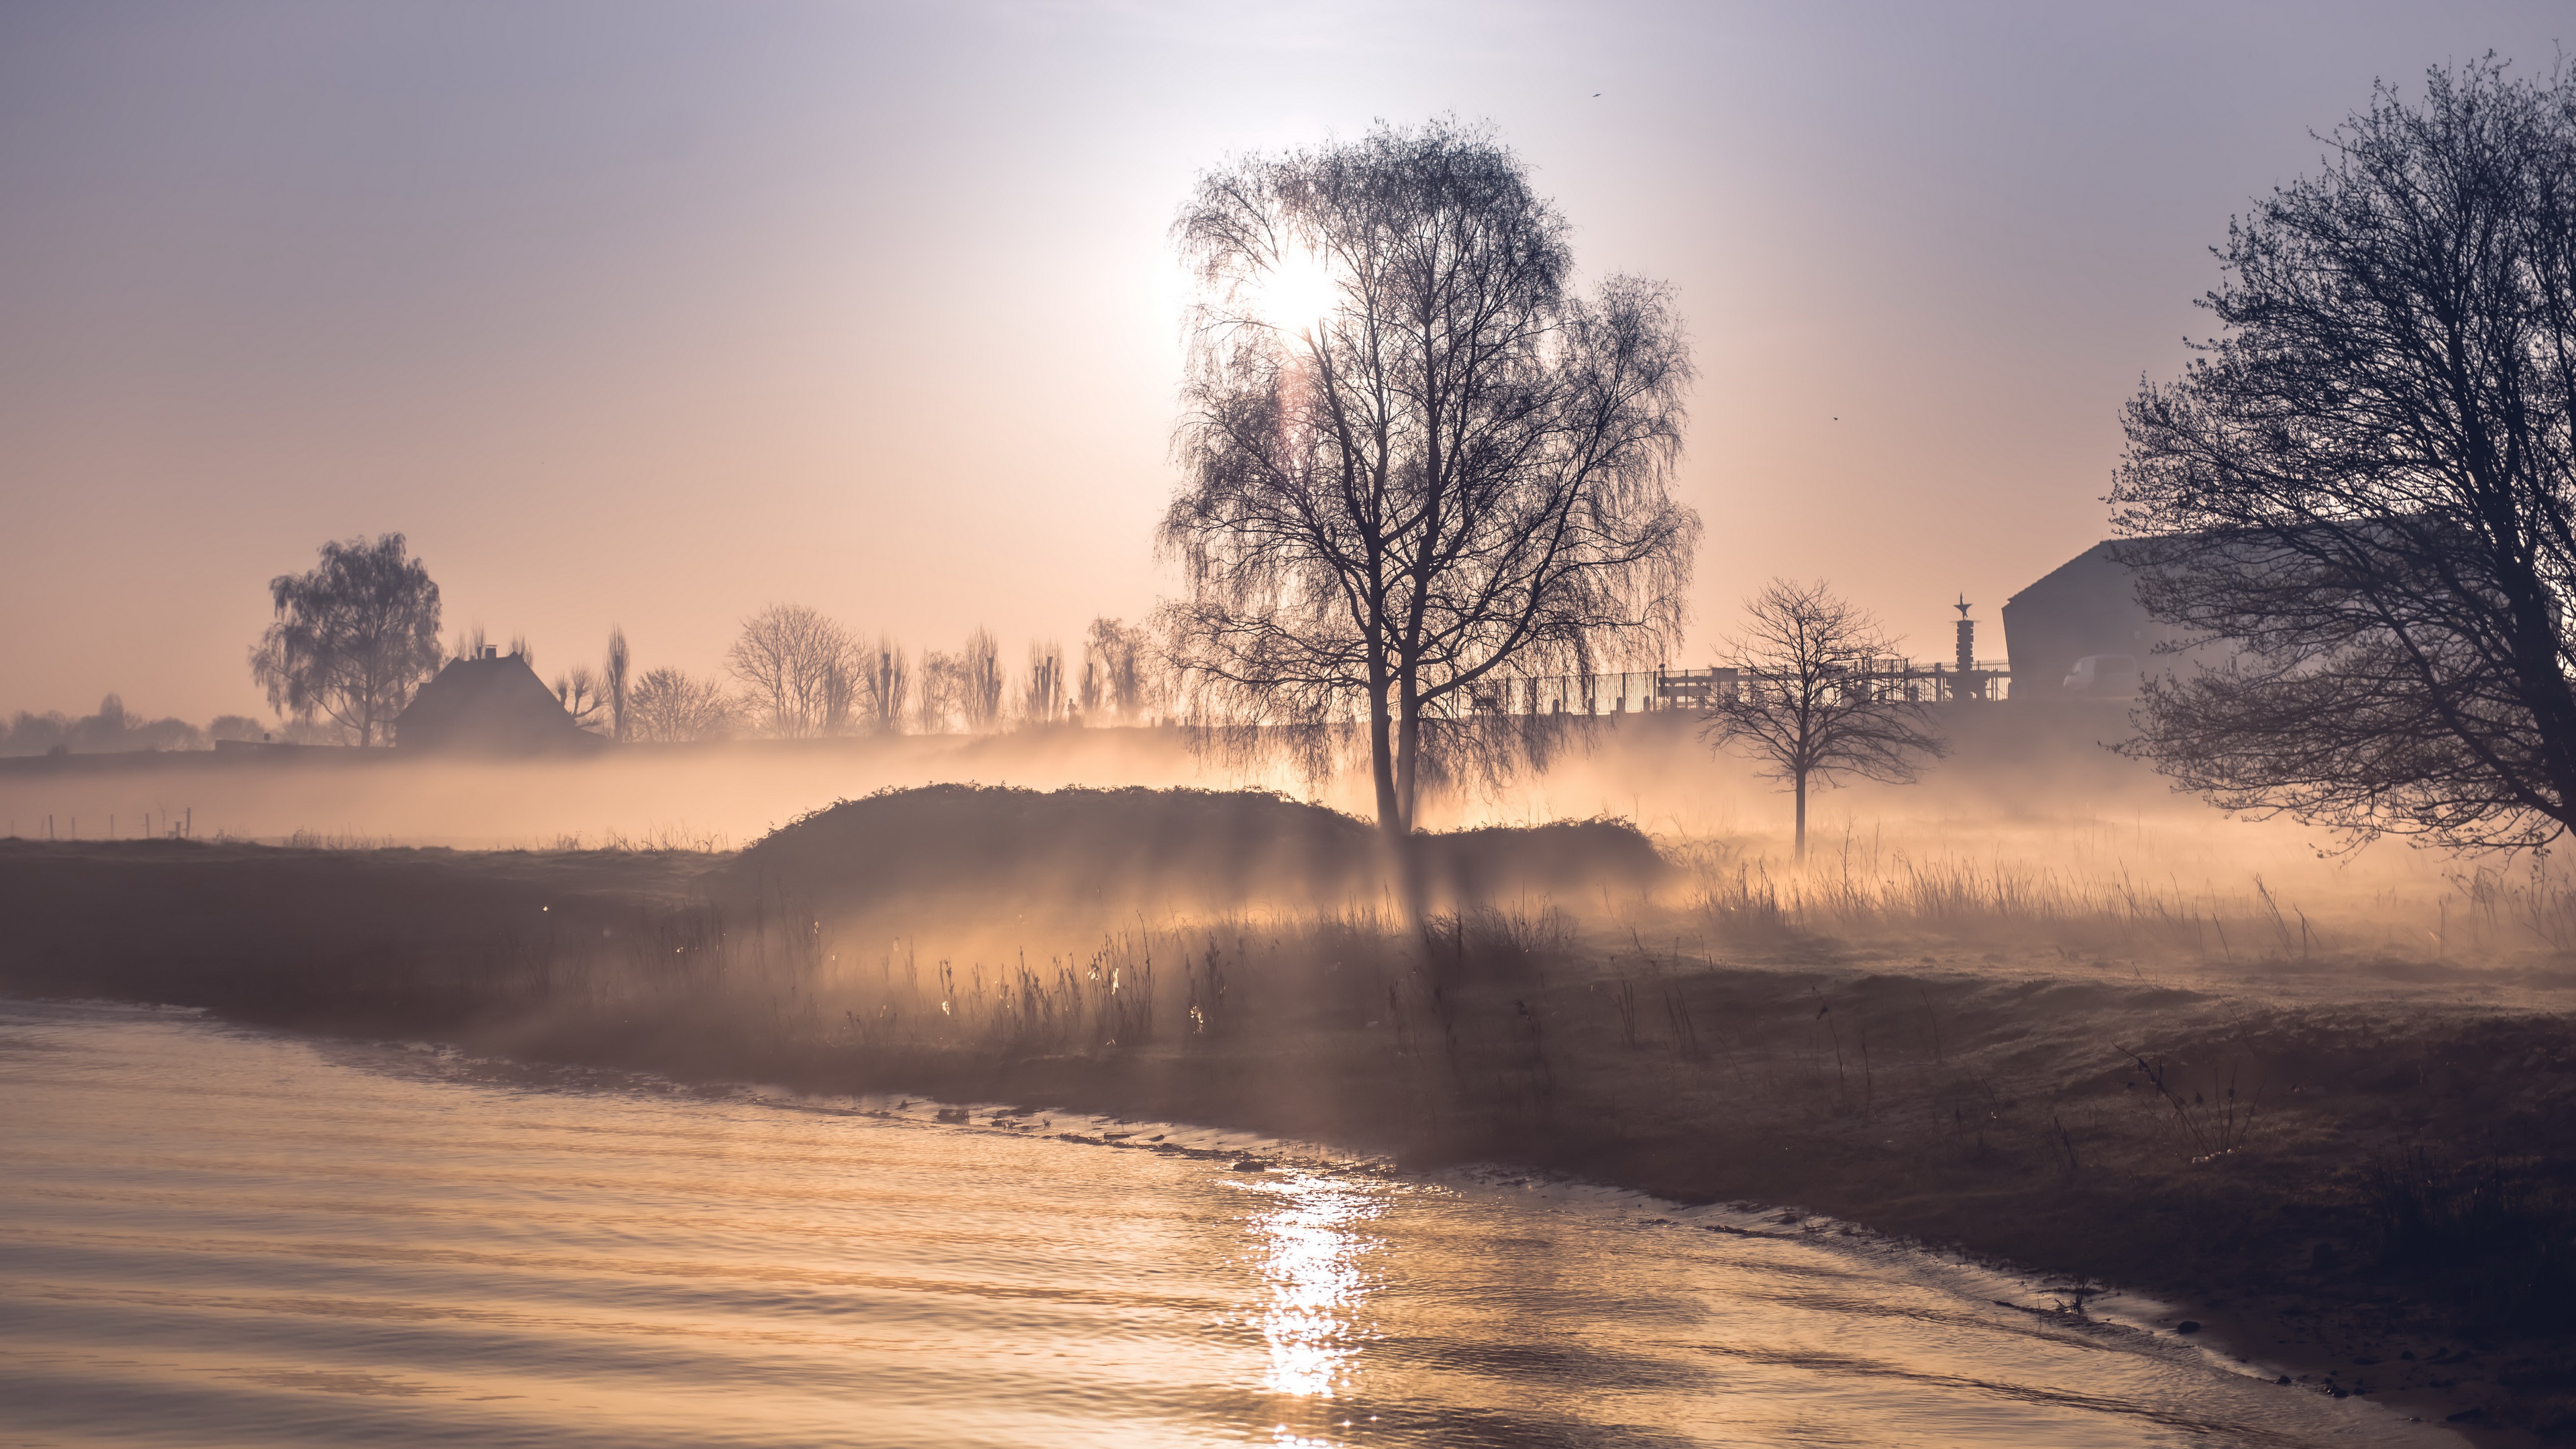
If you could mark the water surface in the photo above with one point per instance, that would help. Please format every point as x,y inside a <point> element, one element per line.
<point>213,1236</point>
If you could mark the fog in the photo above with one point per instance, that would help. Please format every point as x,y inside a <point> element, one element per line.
<point>2033,836</point>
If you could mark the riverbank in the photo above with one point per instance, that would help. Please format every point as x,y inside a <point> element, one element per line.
<point>2364,1177</point>
<point>2309,1222</point>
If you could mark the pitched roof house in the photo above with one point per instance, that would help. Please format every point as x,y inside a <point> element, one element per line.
<point>492,704</point>
<point>2088,607</point>
<point>2085,606</point>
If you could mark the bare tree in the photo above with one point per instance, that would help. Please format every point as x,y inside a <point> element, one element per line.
<point>352,638</point>
<point>885,684</point>
<point>1811,704</point>
<point>793,664</point>
<point>1416,460</point>
<point>1045,702</point>
<point>979,682</point>
<point>1117,671</point>
<point>669,707</point>
<point>841,691</point>
<point>583,696</point>
<point>936,699</point>
<point>616,682</point>
<point>2367,485</point>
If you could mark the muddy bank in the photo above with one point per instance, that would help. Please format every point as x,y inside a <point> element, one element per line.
<point>2374,1194</point>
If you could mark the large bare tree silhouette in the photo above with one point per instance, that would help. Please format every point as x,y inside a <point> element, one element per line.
<point>2366,487</point>
<point>1417,463</point>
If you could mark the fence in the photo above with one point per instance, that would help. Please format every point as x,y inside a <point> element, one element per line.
<point>1647,691</point>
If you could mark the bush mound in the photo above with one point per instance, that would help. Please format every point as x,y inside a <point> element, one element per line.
<point>1136,848</point>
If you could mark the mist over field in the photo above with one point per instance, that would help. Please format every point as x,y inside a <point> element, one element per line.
<point>1359,726</point>
<point>2030,832</point>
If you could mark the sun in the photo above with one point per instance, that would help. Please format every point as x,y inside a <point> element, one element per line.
<point>1295,293</point>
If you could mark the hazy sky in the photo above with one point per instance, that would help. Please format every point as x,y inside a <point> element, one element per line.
<point>652,313</point>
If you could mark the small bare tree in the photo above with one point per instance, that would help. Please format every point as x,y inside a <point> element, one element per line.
<point>1810,702</point>
<point>841,687</point>
<point>1046,699</point>
<point>668,707</point>
<point>583,697</point>
<point>935,700</point>
<point>616,682</point>
<point>1117,665</point>
<point>885,684</point>
<point>979,682</point>
<point>793,664</point>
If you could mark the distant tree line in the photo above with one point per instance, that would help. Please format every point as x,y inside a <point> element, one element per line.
<point>354,639</point>
<point>112,729</point>
<point>795,673</point>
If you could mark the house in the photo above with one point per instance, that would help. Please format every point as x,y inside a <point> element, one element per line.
<point>490,704</point>
<point>2087,608</point>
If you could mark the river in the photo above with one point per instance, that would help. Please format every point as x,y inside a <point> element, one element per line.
<point>217,1236</point>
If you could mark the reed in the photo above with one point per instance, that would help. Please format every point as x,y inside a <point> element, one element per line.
<point>2069,894</point>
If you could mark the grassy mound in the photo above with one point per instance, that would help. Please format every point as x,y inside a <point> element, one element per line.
<point>1127,849</point>
<point>1566,859</point>
<point>1118,849</point>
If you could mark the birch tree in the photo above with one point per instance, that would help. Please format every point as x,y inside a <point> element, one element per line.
<point>1416,459</point>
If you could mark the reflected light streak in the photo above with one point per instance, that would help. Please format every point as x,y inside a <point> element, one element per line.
<point>1310,1253</point>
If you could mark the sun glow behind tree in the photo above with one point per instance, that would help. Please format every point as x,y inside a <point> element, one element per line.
<point>1295,295</point>
<point>1457,479</point>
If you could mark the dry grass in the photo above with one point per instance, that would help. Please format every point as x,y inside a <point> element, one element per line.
<point>2136,896</point>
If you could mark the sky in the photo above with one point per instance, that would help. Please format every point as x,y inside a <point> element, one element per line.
<point>647,314</point>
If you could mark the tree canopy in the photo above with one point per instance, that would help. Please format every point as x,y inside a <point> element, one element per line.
<point>2363,487</point>
<point>1417,461</point>
<point>352,639</point>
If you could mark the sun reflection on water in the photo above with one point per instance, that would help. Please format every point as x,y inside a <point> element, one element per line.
<point>1311,1251</point>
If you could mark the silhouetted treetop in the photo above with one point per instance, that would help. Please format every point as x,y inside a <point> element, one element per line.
<point>1416,460</point>
<point>352,638</point>
<point>2367,483</point>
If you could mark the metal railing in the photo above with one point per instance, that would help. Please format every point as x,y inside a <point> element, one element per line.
<point>1649,691</point>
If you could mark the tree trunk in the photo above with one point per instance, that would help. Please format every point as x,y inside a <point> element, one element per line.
<point>1390,815</point>
<point>1396,817</point>
<point>1802,818</point>
<point>1408,756</point>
